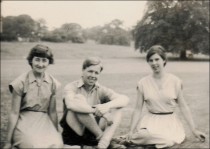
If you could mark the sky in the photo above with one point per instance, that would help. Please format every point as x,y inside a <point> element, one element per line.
<point>85,13</point>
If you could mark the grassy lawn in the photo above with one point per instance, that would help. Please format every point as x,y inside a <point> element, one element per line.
<point>123,67</point>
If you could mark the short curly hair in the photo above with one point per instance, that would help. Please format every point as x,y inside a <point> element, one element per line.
<point>40,51</point>
<point>157,49</point>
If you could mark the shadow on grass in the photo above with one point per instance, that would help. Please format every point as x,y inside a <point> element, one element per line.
<point>177,59</point>
<point>196,59</point>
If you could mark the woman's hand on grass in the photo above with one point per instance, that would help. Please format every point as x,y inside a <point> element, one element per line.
<point>199,135</point>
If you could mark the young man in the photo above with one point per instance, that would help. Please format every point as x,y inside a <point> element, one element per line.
<point>92,112</point>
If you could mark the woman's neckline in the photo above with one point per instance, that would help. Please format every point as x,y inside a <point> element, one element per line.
<point>160,82</point>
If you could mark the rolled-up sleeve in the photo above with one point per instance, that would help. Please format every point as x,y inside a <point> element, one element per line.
<point>115,100</point>
<point>17,85</point>
<point>56,86</point>
<point>76,101</point>
<point>69,94</point>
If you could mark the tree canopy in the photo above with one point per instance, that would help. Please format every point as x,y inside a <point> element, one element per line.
<point>67,32</point>
<point>111,33</point>
<point>175,24</point>
<point>21,26</point>
<point>24,28</point>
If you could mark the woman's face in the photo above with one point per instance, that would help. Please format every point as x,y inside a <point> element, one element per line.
<point>39,64</point>
<point>156,63</point>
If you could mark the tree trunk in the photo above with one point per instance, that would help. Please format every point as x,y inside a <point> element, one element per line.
<point>183,55</point>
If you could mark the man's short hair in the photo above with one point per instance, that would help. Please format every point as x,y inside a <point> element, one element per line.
<point>91,61</point>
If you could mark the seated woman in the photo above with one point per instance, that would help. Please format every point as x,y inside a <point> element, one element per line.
<point>162,93</point>
<point>33,119</point>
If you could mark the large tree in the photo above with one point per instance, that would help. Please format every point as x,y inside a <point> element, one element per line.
<point>40,28</point>
<point>73,32</point>
<point>18,26</point>
<point>114,34</point>
<point>93,33</point>
<point>67,32</point>
<point>175,24</point>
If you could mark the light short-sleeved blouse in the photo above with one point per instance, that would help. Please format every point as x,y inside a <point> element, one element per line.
<point>160,100</point>
<point>35,97</point>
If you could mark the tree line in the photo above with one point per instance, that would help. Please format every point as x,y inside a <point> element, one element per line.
<point>177,25</point>
<point>23,27</point>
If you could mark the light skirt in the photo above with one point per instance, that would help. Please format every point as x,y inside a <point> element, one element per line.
<point>163,126</point>
<point>36,130</point>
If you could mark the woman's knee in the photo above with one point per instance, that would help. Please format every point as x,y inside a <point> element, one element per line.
<point>142,136</point>
<point>25,143</point>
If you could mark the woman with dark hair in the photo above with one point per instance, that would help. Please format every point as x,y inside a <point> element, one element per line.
<point>161,92</point>
<point>33,121</point>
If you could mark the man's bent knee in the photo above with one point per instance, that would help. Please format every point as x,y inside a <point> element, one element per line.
<point>116,116</point>
<point>72,120</point>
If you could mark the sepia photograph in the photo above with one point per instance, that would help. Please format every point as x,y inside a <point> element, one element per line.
<point>104,74</point>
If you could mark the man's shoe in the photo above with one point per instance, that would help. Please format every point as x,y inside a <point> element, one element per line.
<point>119,140</point>
<point>88,147</point>
<point>71,146</point>
<point>114,145</point>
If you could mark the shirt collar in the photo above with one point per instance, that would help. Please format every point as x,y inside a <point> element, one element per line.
<point>33,79</point>
<point>81,83</point>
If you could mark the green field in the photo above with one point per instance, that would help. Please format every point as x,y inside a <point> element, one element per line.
<point>123,67</point>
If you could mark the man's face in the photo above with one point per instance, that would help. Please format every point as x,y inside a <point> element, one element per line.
<point>91,74</point>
